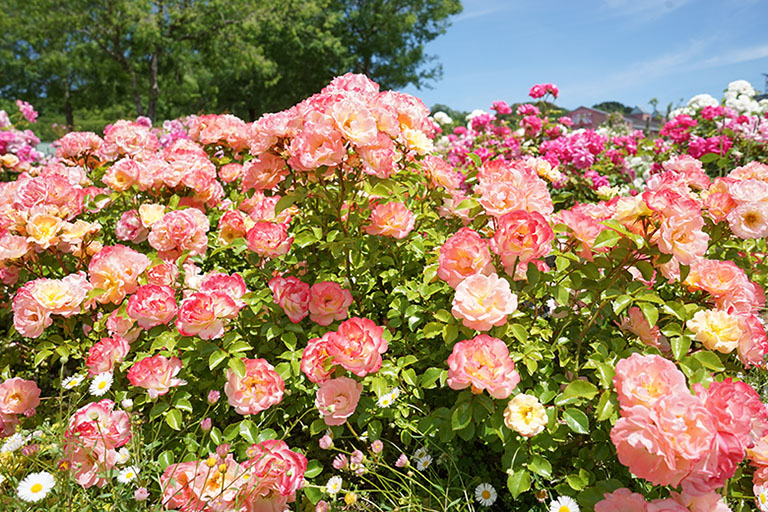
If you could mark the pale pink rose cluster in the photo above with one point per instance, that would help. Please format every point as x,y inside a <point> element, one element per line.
<point>624,500</point>
<point>126,138</point>
<point>106,354</point>
<point>75,145</point>
<point>349,114</point>
<point>669,436</point>
<point>91,440</point>
<point>356,346</point>
<point>37,300</point>
<point>741,198</point>
<point>521,237</point>
<point>266,482</point>
<point>508,186</point>
<point>324,302</point>
<point>179,231</point>
<point>224,129</point>
<point>116,270</point>
<point>464,254</point>
<point>337,399</point>
<point>482,363</point>
<point>259,388</point>
<point>213,300</point>
<point>17,396</point>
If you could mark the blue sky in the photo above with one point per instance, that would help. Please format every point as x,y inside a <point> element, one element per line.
<point>598,50</point>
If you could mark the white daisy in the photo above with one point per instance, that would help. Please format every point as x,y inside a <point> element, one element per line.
<point>564,504</point>
<point>2,479</point>
<point>761,495</point>
<point>128,474</point>
<point>421,452</point>
<point>388,398</point>
<point>13,443</point>
<point>423,463</point>
<point>36,486</point>
<point>72,382</point>
<point>101,384</point>
<point>123,455</point>
<point>485,494</point>
<point>334,485</point>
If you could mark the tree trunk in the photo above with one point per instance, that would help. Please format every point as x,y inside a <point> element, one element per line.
<point>154,87</point>
<point>68,115</point>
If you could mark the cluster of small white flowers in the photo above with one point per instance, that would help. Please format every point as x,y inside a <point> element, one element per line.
<point>13,443</point>
<point>700,101</point>
<point>474,114</point>
<point>442,118</point>
<point>739,97</point>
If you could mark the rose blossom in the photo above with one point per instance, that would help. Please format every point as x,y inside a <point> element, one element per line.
<point>621,500</point>
<point>482,363</point>
<point>258,389</point>
<point>316,364</point>
<point>337,399</point>
<point>105,354</point>
<point>464,254</point>
<point>482,302</point>
<point>269,239</point>
<point>643,379</point>
<point>292,295</point>
<point>152,305</point>
<point>391,219</point>
<point>357,346</point>
<point>520,237</point>
<point>328,301</point>
<point>18,395</point>
<point>525,415</point>
<point>156,374</point>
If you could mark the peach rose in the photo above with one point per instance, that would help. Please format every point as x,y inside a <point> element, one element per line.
<point>152,305</point>
<point>179,231</point>
<point>275,469</point>
<point>520,237</point>
<point>292,295</point>
<point>391,219</point>
<point>636,323</point>
<point>641,380</point>
<point>156,374</point>
<point>201,314</point>
<point>116,269</point>
<point>462,255</point>
<point>264,172</point>
<point>357,346</point>
<point>337,399</point>
<point>749,220</point>
<point>328,302</point>
<point>316,364</point>
<point>258,389</point>
<point>484,364</point>
<point>106,354</point>
<point>18,395</point>
<point>269,239</point>
<point>99,424</point>
<point>717,330</point>
<point>482,302</point>
<point>621,500</point>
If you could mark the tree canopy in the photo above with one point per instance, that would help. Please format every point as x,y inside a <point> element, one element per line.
<point>165,58</point>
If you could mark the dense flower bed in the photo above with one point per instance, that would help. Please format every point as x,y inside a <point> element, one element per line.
<point>316,311</point>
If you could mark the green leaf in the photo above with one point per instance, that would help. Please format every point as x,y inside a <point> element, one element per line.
<point>519,482</point>
<point>604,407</point>
<point>409,376</point>
<point>581,389</point>
<point>606,238</point>
<point>520,332</point>
<point>238,366</point>
<point>95,292</point>
<point>432,329</point>
<point>649,312</point>
<point>165,459</point>
<point>540,466</point>
<point>173,419</point>
<point>680,346</point>
<point>317,426</point>
<point>216,358</point>
<point>475,159</point>
<point>429,377</point>
<point>285,202</point>
<point>314,468</point>
<point>709,360</point>
<point>313,494</point>
<point>183,404</point>
<point>450,333</point>
<point>708,157</point>
<point>620,303</point>
<point>576,420</point>
<point>462,415</point>
<point>248,431</point>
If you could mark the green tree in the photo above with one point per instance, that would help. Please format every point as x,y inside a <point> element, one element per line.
<point>613,106</point>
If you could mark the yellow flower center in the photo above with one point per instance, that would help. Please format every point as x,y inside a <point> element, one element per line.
<point>37,488</point>
<point>102,384</point>
<point>563,508</point>
<point>129,475</point>
<point>486,494</point>
<point>210,462</point>
<point>762,498</point>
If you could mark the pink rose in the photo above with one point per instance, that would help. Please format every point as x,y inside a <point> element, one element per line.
<point>482,363</point>
<point>391,219</point>
<point>179,231</point>
<point>152,305</point>
<point>116,269</point>
<point>18,395</point>
<point>264,172</point>
<point>269,239</point>
<point>232,286</point>
<point>337,399</point>
<point>98,424</point>
<point>316,364</point>
<point>636,323</point>
<point>462,255</point>
<point>129,228</point>
<point>621,500</point>
<point>105,354</point>
<point>258,389</point>
<point>357,346</point>
<point>642,380</point>
<point>482,302</point>
<point>163,274</point>
<point>201,314</point>
<point>521,237</point>
<point>292,295</point>
<point>156,374</point>
<point>275,469</point>
<point>328,302</point>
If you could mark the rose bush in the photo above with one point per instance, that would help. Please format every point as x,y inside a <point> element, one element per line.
<point>389,328</point>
